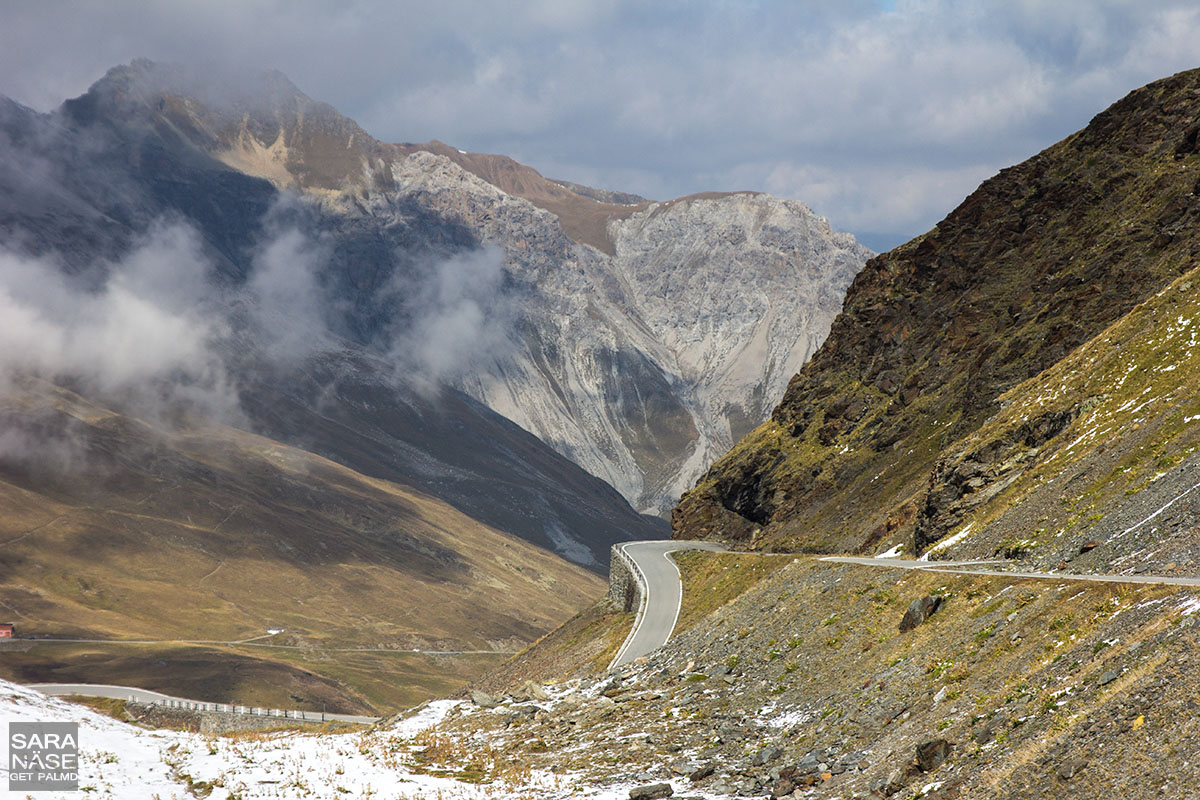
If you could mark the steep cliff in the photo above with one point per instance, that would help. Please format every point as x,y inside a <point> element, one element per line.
<point>1038,260</point>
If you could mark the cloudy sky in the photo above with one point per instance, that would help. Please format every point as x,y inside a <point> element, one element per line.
<point>882,115</point>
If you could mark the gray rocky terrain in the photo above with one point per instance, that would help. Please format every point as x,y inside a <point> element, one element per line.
<point>645,365</point>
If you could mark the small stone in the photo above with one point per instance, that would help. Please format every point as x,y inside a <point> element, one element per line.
<point>1070,768</point>
<point>1089,545</point>
<point>701,772</point>
<point>651,791</point>
<point>1108,677</point>
<point>988,730</point>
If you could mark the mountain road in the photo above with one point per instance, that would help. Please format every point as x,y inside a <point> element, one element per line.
<point>662,590</point>
<point>979,568</point>
<point>662,593</point>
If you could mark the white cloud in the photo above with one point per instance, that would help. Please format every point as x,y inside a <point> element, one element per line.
<point>462,318</point>
<point>286,298</point>
<point>900,199</point>
<point>145,332</point>
<point>665,98</point>
<point>58,326</point>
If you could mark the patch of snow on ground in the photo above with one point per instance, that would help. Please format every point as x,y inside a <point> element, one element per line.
<point>947,542</point>
<point>116,760</point>
<point>124,762</point>
<point>785,719</point>
<point>893,553</point>
<point>1189,606</point>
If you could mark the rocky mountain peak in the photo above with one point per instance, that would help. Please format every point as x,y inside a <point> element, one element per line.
<point>643,338</point>
<point>261,125</point>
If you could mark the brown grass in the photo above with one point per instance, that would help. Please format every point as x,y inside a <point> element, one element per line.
<point>219,535</point>
<point>710,580</point>
<point>109,706</point>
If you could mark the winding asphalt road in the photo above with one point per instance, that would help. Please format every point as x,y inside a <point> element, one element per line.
<point>147,696</point>
<point>662,593</point>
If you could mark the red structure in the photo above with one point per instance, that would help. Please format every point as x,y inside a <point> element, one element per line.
<point>6,630</point>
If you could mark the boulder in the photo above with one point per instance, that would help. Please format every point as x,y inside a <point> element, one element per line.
<point>920,610</point>
<point>767,755</point>
<point>485,700</point>
<point>1070,768</point>
<point>529,691</point>
<point>931,754</point>
<point>651,791</point>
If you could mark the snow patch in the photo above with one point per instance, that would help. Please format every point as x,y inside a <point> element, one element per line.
<point>1189,606</point>
<point>949,541</point>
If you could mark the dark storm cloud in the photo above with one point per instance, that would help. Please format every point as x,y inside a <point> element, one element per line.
<point>881,116</point>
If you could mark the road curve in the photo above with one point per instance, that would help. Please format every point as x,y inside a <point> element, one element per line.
<point>978,568</point>
<point>147,696</point>
<point>662,593</point>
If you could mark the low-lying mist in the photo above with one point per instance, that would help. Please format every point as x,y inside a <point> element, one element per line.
<point>160,335</point>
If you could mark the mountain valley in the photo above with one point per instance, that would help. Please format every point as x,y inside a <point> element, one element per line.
<point>997,438</point>
<point>203,278</point>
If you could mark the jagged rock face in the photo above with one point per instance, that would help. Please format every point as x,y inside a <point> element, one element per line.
<point>643,366</point>
<point>741,289</point>
<point>1038,260</point>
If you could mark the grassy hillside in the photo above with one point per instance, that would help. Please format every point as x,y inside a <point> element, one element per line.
<point>1119,472</point>
<point>1037,261</point>
<point>119,529</point>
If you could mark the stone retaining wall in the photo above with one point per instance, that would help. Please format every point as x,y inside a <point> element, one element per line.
<point>624,589</point>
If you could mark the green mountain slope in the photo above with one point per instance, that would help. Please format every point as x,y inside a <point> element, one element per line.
<point>1038,260</point>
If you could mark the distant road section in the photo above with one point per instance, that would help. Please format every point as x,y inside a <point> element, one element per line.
<point>980,568</point>
<point>147,696</point>
<point>662,593</point>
